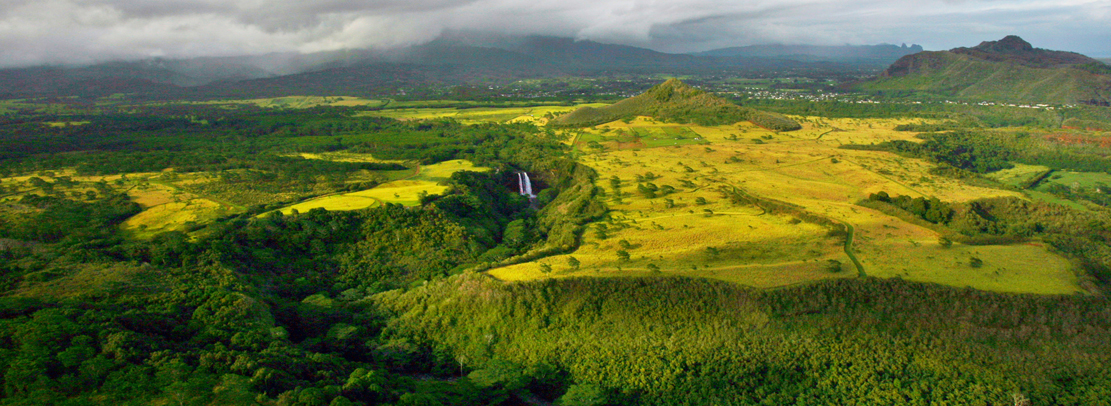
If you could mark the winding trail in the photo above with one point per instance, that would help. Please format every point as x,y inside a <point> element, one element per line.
<point>850,234</point>
<point>849,249</point>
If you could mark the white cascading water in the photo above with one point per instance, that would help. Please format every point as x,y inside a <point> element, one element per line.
<point>524,185</point>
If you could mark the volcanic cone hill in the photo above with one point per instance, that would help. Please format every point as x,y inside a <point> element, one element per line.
<point>675,101</point>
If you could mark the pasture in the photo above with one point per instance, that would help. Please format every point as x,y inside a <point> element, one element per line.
<point>1078,179</point>
<point>475,115</point>
<point>344,156</point>
<point>669,187</point>
<point>1019,175</point>
<point>166,208</point>
<point>304,102</point>
<point>696,231</point>
<point>426,180</point>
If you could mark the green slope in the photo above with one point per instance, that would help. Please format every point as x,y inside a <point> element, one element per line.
<point>675,101</point>
<point>985,73</point>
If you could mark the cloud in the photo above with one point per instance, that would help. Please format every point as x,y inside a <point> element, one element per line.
<point>83,31</point>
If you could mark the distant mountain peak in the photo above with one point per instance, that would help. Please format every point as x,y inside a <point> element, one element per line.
<point>1009,70</point>
<point>1008,45</point>
<point>1015,50</point>
<point>672,90</point>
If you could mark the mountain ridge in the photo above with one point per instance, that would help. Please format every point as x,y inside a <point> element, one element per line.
<point>1008,70</point>
<point>449,60</point>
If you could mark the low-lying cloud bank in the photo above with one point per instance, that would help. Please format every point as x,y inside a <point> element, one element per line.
<point>85,31</point>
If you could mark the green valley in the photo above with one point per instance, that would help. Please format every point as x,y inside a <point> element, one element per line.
<point>561,222</point>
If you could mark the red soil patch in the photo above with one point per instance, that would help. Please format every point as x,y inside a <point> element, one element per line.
<point>634,144</point>
<point>1072,139</point>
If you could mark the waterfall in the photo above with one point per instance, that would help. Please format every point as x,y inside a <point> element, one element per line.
<point>524,185</point>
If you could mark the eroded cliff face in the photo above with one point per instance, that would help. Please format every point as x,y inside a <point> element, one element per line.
<point>1012,49</point>
<point>1008,70</point>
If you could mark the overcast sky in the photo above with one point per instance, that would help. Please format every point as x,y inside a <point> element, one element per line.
<point>82,31</point>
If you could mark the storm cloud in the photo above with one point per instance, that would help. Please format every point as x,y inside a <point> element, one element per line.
<point>85,31</point>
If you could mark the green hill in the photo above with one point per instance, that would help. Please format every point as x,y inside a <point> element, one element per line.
<point>1009,70</point>
<point>675,101</point>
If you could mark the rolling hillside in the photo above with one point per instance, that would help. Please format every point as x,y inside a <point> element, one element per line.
<point>675,101</point>
<point>1009,70</point>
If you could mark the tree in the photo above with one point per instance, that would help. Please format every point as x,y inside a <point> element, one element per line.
<point>601,231</point>
<point>713,252</point>
<point>583,395</point>
<point>500,373</point>
<point>975,262</point>
<point>573,263</point>
<point>944,242</point>
<point>623,255</point>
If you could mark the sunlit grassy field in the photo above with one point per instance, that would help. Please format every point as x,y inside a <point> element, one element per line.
<point>165,206</point>
<point>169,209</point>
<point>443,170</point>
<point>335,203</point>
<point>1018,175</point>
<point>407,192</point>
<point>691,228</point>
<point>534,114</point>
<point>177,202</point>
<point>304,102</point>
<point>735,244</point>
<point>1078,179</point>
<point>343,156</point>
<point>804,168</point>
<point>1021,174</point>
